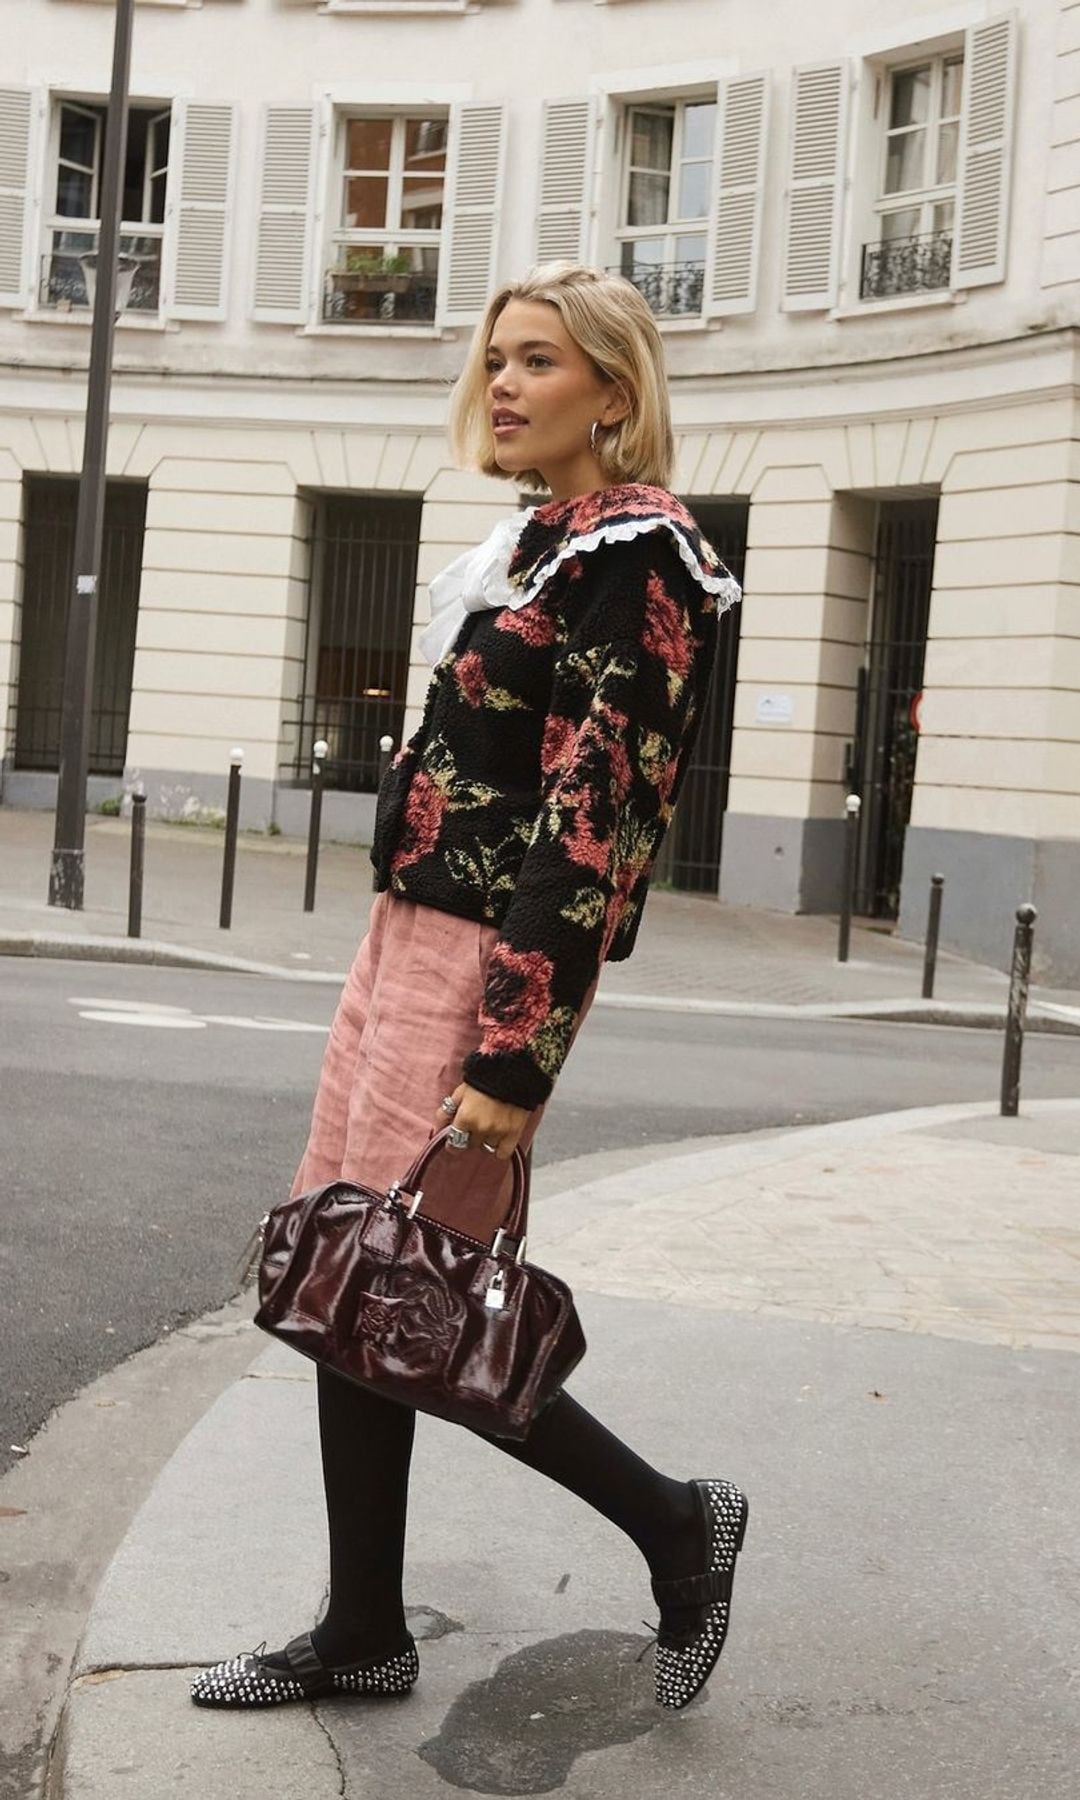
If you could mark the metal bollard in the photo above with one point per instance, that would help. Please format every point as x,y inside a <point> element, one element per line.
<point>933,929</point>
<point>386,745</point>
<point>318,757</point>
<point>232,823</point>
<point>852,807</point>
<point>138,859</point>
<point>1019,982</point>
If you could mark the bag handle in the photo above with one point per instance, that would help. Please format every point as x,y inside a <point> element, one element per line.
<point>517,1217</point>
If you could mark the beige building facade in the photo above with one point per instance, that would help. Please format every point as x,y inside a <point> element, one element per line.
<point>859,229</point>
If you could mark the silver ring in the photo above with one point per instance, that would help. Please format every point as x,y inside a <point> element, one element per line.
<point>458,1138</point>
<point>449,1104</point>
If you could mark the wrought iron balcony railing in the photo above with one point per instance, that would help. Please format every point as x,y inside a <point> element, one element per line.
<point>62,287</point>
<point>909,265</point>
<point>353,295</point>
<point>672,290</point>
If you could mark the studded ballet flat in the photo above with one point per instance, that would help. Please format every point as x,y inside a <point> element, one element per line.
<point>685,1660</point>
<point>250,1680</point>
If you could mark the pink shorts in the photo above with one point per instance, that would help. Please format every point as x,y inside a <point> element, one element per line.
<point>406,1020</point>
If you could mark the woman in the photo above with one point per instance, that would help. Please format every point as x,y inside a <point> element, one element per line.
<point>514,838</point>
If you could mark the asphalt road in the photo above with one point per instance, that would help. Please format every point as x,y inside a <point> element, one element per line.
<point>149,1116</point>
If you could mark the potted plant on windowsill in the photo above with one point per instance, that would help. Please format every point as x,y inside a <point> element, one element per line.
<point>365,274</point>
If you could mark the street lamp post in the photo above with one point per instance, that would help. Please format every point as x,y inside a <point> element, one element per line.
<point>66,872</point>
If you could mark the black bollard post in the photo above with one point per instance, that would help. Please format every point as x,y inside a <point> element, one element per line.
<point>318,757</point>
<point>847,906</point>
<point>386,745</point>
<point>933,929</point>
<point>232,824</point>
<point>1018,999</point>
<point>138,858</point>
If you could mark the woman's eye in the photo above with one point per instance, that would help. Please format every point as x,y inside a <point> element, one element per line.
<point>493,368</point>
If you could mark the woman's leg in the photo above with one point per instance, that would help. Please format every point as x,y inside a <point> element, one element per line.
<point>365,1442</point>
<point>660,1515</point>
<point>366,1450</point>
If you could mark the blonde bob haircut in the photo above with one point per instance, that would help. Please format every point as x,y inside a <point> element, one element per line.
<point>611,322</point>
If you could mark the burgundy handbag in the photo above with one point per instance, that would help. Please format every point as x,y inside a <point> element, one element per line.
<point>369,1286</point>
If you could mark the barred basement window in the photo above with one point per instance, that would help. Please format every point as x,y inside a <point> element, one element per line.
<point>359,628</point>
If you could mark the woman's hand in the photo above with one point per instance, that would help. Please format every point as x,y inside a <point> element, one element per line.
<point>486,1120</point>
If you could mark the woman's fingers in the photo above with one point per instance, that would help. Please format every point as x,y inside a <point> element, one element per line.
<point>443,1118</point>
<point>486,1120</point>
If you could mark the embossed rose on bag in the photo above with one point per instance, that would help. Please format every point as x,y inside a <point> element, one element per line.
<point>418,1320</point>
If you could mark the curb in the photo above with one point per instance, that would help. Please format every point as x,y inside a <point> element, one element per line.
<point>1062,1021</point>
<point>150,952</point>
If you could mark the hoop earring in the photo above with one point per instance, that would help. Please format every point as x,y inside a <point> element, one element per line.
<point>592,436</point>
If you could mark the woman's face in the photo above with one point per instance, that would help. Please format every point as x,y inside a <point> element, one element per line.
<point>537,372</point>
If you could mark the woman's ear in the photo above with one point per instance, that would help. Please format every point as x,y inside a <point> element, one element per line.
<point>622,405</point>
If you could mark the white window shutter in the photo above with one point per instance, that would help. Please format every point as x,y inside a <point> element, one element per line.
<point>285,213</point>
<point>815,186</point>
<point>742,126</point>
<point>15,123</point>
<point>467,254</point>
<point>197,210</point>
<point>988,106</point>
<point>566,159</point>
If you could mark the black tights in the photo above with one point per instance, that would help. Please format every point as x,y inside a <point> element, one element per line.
<point>366,1450</point>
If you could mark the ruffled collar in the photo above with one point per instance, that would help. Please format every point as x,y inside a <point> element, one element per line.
<point>522,552</point>
<point>561,529</point>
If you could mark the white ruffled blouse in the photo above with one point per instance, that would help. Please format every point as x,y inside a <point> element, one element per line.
<point>475,579</point>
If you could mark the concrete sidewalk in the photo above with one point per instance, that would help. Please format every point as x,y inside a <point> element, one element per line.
<point>692,952</point>
<point>871,1326</point>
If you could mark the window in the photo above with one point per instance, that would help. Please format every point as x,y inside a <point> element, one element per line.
<point>667,183</point>
<point>359,625</point>
<point>67,268</point>
<point>391,176</point>
<point>916,207</point>
<point>51,503</point>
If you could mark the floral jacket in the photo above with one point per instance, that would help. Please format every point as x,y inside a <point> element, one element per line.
<point>537,789</point>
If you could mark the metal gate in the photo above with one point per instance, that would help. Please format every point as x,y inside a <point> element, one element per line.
<point>359,626</point>
<point>690,855</point>
<point>49,567</point>
<point>890,684</point>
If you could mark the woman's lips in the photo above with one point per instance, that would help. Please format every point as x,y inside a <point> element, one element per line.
<point>506,430</point>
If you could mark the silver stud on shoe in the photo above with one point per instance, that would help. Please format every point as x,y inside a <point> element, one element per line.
<point>683,1668</point>
<point>249,1680</point>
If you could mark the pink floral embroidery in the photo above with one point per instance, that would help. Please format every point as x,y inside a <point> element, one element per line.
<point>582,842</point>
<point>470,677</point>
<point>424,809</point>
<point>517,997</point>
<point>559,735</point>
<point>665,633</point>
<point>620,768</point>
<point>531,623</point>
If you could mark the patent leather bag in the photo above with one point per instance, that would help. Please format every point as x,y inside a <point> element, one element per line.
<point>368,1285</point>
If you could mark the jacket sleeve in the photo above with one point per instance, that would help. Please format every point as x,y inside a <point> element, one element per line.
<point>627,697</point>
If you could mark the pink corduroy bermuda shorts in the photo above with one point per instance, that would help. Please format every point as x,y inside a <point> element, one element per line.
<point>406,1020</point>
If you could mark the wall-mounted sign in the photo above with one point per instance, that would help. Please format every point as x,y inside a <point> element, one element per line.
<point>774,709</point>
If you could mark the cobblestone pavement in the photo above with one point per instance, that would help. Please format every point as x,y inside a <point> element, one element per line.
<point>690,947</point>
<point>948,1220</point>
